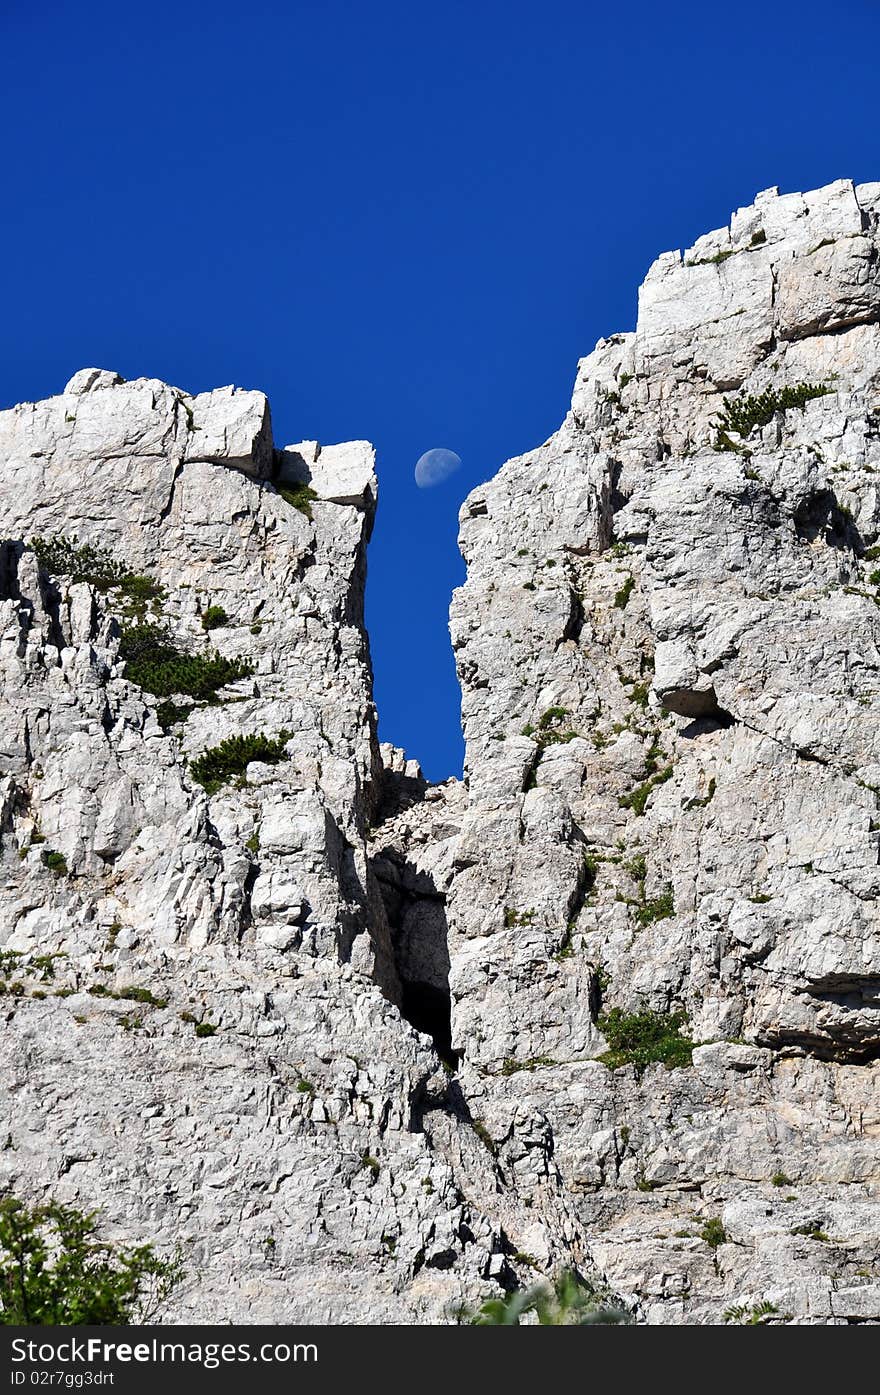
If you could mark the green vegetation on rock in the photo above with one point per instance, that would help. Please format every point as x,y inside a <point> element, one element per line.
<point>155,663</point>
<point>55,1272</point>
<point>300,496</point>
<point>62,556</point>
<point>219,764</point>
<point>214,617</point>
<point>641,1038</point>
<point>569,1302</point>
<point>741,414</point>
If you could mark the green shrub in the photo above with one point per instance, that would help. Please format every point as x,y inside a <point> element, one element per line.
<point>713,1233</point>
<point>168,714</point>
<point>637,867</point>
<point>61,556</point>
<point>301,496</point>
<point>660,908</point>
<point>570,1302</point>
<point>141,995</point>
<point>205,1029</point>
<point>779,1179</point>
<point>700,803</point>
<point>545,734</point>
<point>56,862</point>
<point>140,590</point>
<point>622,596</point>
<point>812,1232</point>
<point>639,693</point>
<point>53,1271</point>
<point>640,1038</point>
<point>754,1316</point>
<point>741,414</point>
<point>155,663</point>
<point>638,797</point>
<point>512,1066</point>
<point>219,764</point>
<point>485,1137</point>
<point>513,918</point>
<point>214,618</point>
<point>716,259</point>
<point>553,714</point>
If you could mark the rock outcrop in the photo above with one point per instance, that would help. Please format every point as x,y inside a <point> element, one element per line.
<point>352,1041</point>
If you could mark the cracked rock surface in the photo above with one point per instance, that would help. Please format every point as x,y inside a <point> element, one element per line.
<point>367,1076</point>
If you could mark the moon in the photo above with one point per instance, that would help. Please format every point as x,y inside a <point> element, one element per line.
<point>435,466</point>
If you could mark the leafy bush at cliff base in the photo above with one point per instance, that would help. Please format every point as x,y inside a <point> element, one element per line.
<point>156,664</point>
<point>743,413</point>
<point>569,1303</point>
<point>53,1271</point>
<point>219,764</point>
<point>640,1038</point>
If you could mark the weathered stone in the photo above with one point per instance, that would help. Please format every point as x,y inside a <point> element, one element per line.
<point>669,650</point>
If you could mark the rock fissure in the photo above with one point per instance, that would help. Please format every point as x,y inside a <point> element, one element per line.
<point>413,979</point>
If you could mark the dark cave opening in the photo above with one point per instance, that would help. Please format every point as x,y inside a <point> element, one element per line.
<point>416,913</point>
<point>429,1010</point>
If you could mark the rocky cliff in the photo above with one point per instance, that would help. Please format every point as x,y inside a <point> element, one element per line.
<point>368,1049</point>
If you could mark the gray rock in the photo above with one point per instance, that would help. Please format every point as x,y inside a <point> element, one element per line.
<point>668,644</point>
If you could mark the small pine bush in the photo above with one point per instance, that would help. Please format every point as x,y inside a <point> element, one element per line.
<point>140,589</point>
<point>660,908</point>
<point>638,799</point>
<point>758,1315</point>
<point>741,414</point>
<point>219,764</point>
<point>569,1302</point>
<point>713,1233</point>
<point>622,596</point>
<point>61,556</point>
<point>214,617</point>
<point>141,995</point>
<point>155,663</point>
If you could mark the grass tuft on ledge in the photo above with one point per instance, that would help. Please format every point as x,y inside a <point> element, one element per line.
<point>300,496</point>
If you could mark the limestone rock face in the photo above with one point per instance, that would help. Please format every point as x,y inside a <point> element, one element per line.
<point>201,1034</point>
<point>341,1035</point>
<point>668,651</point>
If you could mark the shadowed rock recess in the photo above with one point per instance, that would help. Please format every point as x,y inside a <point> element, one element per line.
<point>353,1041</point>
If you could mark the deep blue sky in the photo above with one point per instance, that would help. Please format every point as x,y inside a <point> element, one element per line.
<point>403,221</point>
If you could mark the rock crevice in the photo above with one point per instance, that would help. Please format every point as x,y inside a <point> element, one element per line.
<point>370,1049</point>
